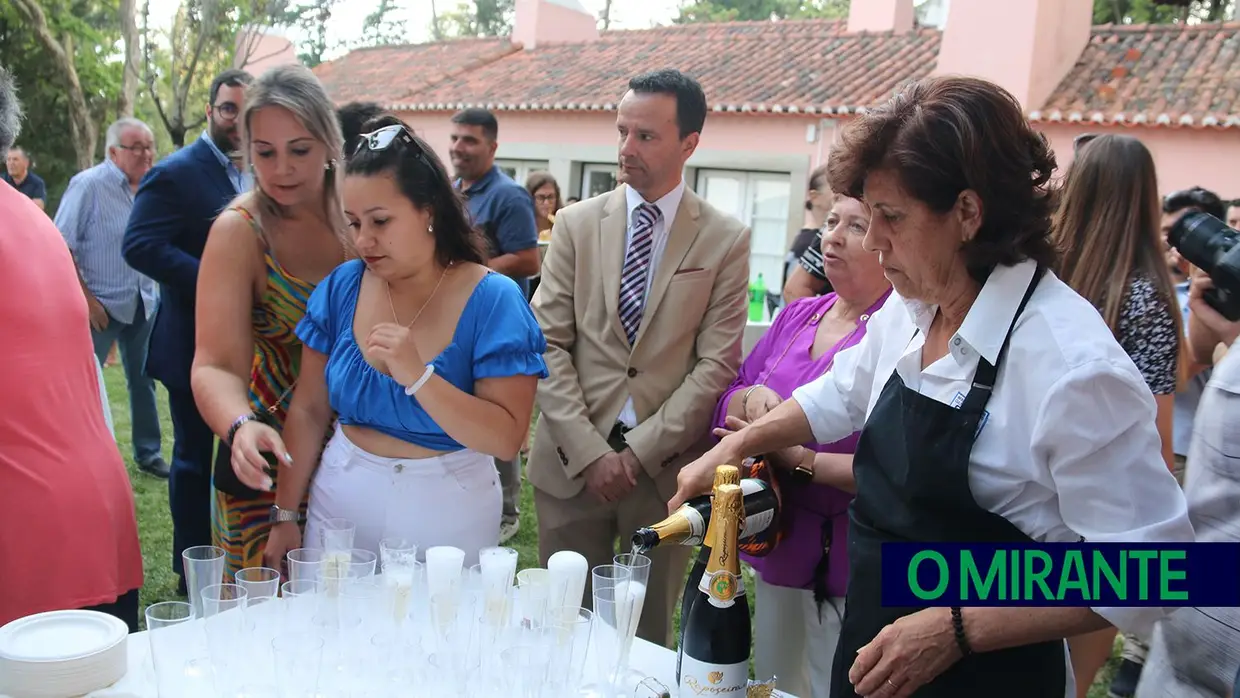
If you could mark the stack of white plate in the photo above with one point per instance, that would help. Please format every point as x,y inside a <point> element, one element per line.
<point>62,653</point>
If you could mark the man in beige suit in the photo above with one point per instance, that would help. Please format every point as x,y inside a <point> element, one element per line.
<point>643,303</point>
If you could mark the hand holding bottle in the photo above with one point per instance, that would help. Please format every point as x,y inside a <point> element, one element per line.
<point>697,477</point>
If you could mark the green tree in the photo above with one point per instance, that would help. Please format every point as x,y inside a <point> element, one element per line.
<point>311,18</point>
<point>478,18</point>
<point>381,28</point>
<point>64,57</point>
<point>759,10</point>
<point>1161,11</point>
<point>65,38</point>
<point>180,63</point>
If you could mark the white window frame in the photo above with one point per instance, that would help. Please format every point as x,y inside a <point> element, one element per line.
<point>590,168</point>
<point>745,213</point>
<point>523,168</point>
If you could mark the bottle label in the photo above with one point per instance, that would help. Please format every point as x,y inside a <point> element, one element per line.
<point>722,588</point>
<point>697,527</point>
<point>698,678</point>
<point>753,525</point>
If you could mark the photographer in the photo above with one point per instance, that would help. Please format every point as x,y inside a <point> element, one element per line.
<point>1195,651</point>
<point>1206,240</point>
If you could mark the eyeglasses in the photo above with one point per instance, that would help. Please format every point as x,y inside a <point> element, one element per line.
<point>140,149</point>
<point>545,198</point>
<point>228,110</point>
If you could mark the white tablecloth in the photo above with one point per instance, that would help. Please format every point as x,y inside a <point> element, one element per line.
<point>648,658</point>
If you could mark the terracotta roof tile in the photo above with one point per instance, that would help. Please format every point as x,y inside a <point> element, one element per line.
<point>810,66</point>
<point>390,73</point>
<point>1157,75</point>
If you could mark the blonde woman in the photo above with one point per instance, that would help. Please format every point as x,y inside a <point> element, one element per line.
<point>1107,229</point>
<point>264,256</point>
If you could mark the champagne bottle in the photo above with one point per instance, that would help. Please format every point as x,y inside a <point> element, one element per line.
<point>687,525</point>
<point>717,632</point>
<point>686,515</point>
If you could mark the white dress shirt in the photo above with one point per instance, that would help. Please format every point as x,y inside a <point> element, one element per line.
<point>1068,446</point>
<point>668,205</point>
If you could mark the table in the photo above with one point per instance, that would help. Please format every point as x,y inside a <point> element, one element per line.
<point>139,682</point>
<point>652,660</point>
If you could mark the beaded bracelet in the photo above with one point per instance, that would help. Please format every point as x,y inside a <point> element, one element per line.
<point>958,624</point>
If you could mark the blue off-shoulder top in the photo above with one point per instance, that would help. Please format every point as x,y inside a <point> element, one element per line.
<point>496,336</point>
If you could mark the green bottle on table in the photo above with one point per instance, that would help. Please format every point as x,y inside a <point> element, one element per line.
<point>757,299</point>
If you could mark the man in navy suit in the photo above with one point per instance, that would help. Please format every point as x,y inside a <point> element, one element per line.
<point>173,210</point>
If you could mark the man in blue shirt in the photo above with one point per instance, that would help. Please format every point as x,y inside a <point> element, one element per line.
<point>504,211</point>
<point>121,300</point>
<point>17,162</point>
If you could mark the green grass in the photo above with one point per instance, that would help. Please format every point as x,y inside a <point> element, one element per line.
<point>155,526</point>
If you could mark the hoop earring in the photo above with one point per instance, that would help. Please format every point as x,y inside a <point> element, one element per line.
<point>430,228</point>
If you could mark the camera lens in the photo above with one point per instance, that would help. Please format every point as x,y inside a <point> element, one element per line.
<point>1202,239</point>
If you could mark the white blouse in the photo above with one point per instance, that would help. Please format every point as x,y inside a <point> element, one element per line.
<point>1068,447</point>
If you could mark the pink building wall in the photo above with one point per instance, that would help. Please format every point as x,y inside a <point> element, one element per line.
<point>1184,157</point>
<point>256,52</point>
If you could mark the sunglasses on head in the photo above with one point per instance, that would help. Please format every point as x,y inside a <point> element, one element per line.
<point>383,139</point>
<point>1081,140</point>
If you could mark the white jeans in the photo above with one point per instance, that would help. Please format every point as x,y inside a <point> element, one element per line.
<point>790,643</point>
<point>453,499</point>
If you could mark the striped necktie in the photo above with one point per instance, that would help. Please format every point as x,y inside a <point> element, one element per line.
<point>636,269</point>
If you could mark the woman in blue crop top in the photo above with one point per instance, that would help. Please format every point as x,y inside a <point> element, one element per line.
<point>427,359</point>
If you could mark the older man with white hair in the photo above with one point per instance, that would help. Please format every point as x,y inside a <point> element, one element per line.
<point>92,217</point>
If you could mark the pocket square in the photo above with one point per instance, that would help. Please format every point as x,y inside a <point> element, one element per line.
<point>688,271</point>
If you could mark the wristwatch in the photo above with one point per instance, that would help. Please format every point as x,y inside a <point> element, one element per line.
<point>803,474</point>
<point>279,515</point>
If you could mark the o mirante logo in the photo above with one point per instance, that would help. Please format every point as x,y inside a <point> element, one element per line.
<point>1061,574</point>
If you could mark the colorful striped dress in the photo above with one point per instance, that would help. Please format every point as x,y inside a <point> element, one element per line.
<point>240,525</point>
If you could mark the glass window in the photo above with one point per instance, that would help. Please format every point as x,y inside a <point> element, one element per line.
<point>759,200</point>
<point>597,179</point>
<point>520,170</point>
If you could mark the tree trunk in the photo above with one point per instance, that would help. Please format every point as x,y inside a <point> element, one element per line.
<point>606,16</point>
<point>84,134</point>
<point>436,29</point>
<point>129,80</point>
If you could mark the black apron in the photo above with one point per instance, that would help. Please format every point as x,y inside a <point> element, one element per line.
<point>912,472</point>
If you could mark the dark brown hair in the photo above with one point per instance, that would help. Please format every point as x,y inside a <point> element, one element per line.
<point>817,180</point>
<point>1107,228</point>
<point>943,135</point>
<point>541,178</point>
<point>422,178</point>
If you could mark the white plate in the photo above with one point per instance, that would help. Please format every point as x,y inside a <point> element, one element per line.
<point>59,636</point>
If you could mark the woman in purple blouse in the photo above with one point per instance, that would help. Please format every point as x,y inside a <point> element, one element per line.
<point>800,585</point>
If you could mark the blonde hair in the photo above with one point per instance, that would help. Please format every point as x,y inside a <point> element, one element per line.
<point>298,90</point>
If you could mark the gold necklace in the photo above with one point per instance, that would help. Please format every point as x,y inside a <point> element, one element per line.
<point>388,287</point>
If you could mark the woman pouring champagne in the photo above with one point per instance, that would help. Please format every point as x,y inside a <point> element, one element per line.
<point>995,405</point>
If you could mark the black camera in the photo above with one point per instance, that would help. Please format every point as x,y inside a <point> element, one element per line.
<point>1206,242</point>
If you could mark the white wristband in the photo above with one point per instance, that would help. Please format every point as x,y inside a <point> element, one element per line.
<point>430,371</point>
